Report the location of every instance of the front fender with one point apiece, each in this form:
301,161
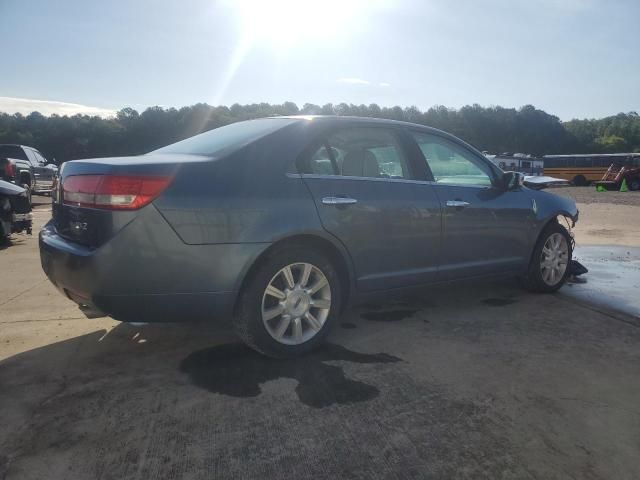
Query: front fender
549,206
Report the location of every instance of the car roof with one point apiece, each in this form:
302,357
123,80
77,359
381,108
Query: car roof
18,145
352,119
347,119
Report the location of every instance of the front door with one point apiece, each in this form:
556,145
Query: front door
45,172
367,197
43,177
485,228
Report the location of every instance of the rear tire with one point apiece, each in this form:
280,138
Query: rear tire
580,181
278,316
550,261
634,185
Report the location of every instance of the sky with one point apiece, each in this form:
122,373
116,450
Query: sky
571,58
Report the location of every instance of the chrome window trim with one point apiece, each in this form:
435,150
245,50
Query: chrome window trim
370,179
376,179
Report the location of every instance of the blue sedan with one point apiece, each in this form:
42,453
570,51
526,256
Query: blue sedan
277,224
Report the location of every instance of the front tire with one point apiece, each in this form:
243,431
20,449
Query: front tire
549,265
290,302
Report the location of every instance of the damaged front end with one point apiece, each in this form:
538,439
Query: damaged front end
15,210
575,267
539,182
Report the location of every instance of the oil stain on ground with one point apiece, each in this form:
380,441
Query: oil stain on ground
388,315
238,371
498,302
348,325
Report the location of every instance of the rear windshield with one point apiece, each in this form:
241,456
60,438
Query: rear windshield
12,151
229,137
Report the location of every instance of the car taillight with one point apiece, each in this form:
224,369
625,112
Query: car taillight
112,192
9,169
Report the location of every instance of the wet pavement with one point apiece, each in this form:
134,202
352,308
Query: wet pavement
613,280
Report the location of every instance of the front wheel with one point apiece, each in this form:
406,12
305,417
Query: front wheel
290,303
549,266
634,185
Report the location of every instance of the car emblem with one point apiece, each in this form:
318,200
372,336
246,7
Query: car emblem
78,226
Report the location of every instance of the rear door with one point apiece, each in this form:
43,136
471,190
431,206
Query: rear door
485,228
368,197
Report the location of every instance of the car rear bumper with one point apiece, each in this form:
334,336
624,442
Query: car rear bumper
146,274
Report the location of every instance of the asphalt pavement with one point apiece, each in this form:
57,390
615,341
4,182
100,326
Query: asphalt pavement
473,380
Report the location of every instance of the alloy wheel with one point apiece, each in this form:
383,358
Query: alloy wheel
296,303
554,259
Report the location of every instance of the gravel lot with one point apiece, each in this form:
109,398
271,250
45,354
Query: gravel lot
466,381
589,195
606,218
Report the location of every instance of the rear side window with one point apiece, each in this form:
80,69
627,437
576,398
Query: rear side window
229,137
358,152
321,162
12,151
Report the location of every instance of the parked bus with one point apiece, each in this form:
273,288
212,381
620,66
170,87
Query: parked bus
584,169
518,163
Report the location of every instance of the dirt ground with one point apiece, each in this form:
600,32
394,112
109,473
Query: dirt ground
471,381
589,195
606,218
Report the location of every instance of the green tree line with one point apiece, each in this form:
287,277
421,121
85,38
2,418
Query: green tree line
495,129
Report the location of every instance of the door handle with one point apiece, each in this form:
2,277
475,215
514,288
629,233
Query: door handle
457,203
339,201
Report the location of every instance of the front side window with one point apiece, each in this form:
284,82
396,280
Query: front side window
358,152
32,157
451,164
41,160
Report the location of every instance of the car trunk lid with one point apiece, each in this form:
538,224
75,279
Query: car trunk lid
94,199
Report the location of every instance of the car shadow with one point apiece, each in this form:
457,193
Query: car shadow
12,241
206,357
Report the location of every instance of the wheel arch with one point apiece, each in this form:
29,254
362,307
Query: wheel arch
25,177
335,251
551,220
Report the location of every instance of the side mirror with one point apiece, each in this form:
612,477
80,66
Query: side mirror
512,180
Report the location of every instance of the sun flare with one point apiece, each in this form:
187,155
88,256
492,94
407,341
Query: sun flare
291,23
